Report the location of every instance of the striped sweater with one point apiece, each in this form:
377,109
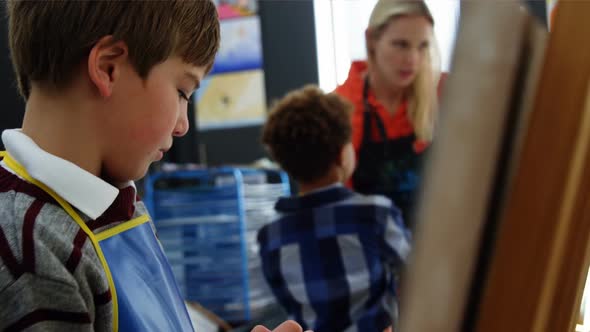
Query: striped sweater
50,276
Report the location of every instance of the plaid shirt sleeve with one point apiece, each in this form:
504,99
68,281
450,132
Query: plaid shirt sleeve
395,239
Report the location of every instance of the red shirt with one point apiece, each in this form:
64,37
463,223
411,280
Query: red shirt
396,125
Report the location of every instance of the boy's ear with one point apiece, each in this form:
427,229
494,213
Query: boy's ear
341,156
104,63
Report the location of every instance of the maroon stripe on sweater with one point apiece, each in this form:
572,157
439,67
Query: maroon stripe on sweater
41,315
76,254
102,299
122,209
11,182
8,258
28,236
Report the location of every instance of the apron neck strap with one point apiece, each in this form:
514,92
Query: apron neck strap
370,115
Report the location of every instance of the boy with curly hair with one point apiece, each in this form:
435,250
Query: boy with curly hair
332,256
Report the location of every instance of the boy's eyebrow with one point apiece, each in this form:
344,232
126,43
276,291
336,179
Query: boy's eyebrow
194,78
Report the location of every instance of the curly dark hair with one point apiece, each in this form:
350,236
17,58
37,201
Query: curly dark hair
306,131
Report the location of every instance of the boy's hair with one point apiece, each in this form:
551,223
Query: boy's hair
50,39
306,132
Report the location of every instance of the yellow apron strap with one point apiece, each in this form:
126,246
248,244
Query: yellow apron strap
122,227
21,171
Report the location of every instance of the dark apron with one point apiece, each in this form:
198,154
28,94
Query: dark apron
389,167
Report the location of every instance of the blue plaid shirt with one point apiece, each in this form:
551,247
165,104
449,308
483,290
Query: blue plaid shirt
332,259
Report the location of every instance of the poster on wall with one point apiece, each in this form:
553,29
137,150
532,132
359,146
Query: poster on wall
231,99
233,93
240,47
235,8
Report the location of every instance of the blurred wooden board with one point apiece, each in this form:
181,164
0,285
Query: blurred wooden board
504,221
461,174
541,253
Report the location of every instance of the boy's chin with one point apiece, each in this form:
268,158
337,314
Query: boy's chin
119,179
140,174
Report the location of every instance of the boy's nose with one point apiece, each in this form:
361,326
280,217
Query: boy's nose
182,124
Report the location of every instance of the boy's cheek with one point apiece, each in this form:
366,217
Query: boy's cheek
145,135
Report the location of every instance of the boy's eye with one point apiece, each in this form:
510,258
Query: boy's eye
183,95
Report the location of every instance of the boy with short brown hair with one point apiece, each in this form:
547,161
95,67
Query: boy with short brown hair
106,85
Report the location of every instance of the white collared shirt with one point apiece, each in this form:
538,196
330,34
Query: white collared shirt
83,190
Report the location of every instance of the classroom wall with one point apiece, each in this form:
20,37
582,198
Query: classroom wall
290,61
289,50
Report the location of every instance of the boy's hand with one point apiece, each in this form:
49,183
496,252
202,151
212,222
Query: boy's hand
288,326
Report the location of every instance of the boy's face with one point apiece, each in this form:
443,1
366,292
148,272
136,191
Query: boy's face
143,116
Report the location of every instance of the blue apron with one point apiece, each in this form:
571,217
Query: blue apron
143,289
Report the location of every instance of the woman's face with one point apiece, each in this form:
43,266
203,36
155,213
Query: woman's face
399,50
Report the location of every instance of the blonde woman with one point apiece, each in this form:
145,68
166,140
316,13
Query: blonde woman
394,94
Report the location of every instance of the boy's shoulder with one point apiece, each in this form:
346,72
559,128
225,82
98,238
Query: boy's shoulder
335,198
325,214
331,196
375,200
37,235
355,199
47,263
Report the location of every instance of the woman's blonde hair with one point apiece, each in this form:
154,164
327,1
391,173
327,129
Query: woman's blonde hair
422,95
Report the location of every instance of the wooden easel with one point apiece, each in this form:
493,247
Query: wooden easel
504,221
